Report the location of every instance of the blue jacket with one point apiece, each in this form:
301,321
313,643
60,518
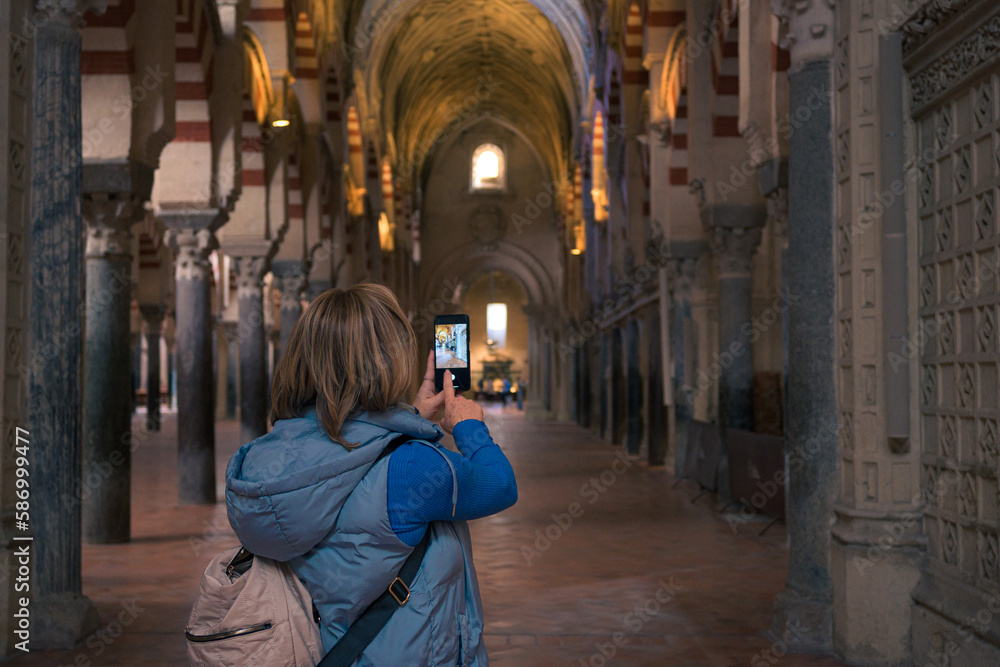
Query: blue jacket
294,495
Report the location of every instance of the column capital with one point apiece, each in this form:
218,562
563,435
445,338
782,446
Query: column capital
734,248
250,270
109,217
193,247
153,315
682,275
291,287
70,12
809,28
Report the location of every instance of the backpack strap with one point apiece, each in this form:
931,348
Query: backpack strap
371,621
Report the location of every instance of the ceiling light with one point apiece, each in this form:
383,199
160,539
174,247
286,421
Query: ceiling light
280,122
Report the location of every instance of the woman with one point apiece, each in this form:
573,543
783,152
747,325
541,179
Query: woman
307,492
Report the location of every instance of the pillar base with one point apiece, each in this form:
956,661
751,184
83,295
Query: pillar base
804,625
62,621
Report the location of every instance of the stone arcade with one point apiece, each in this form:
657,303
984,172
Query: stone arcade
772,216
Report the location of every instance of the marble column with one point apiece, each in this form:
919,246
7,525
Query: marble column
61,615
195,399
107,414
811,408
633,389
655,416
734,248
682,272
250,270
232,360
153,315
604,390
291,280
617,402
584,389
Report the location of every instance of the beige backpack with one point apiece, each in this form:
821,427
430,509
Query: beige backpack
257,616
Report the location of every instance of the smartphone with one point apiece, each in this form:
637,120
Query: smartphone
451,351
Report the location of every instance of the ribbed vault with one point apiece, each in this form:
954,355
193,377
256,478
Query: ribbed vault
433,64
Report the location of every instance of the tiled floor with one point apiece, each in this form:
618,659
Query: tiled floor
598,556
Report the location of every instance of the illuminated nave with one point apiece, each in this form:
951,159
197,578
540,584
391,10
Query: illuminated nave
730,273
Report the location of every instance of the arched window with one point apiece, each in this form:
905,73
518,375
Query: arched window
489,169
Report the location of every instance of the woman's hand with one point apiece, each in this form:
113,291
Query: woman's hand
457,408
427,401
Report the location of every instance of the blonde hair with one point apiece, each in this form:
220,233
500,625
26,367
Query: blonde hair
352,349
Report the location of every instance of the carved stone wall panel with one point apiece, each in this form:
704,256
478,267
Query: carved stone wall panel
957,180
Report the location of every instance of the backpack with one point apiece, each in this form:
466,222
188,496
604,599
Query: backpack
255,611
252,611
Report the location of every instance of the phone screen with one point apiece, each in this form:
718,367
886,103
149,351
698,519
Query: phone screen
451,345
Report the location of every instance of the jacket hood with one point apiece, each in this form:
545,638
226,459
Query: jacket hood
285,490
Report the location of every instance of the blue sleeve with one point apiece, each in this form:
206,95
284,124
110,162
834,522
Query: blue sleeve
422,482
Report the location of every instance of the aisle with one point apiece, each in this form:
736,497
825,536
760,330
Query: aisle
598,559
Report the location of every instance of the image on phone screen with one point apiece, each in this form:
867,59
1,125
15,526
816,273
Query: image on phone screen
451,345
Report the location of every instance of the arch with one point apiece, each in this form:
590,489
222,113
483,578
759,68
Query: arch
470,261
257,77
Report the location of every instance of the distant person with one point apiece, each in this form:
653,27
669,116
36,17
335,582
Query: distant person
522,386
308,492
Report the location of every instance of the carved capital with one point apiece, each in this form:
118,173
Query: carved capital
682,275
193,246
291,286
68,12
109,217
153,316
734,248
250,270
808,28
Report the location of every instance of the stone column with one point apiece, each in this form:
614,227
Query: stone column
232,359
250,270
107,413
633,388
292,282
62,616
811,408
153,315
655,411
195,400
682,271
734,248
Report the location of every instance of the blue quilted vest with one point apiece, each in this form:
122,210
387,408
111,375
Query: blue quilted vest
294,495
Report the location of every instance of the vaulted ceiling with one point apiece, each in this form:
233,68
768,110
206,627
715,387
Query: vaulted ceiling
429,66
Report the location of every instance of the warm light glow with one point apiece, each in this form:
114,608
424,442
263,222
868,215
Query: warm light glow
487,168
488,164
575,251
281,122
496,323
386,233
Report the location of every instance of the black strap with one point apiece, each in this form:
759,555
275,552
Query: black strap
371,621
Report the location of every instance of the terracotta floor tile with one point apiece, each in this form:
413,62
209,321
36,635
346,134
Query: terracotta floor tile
560,600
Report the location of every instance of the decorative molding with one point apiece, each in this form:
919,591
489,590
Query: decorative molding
923,21
682,276
488,226
956,64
